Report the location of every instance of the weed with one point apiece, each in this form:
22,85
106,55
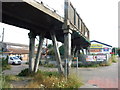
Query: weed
49,65
53,80
24,72
5,64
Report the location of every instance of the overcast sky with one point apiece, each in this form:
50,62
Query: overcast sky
100,16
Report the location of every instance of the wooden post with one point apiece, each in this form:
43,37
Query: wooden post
57,54
39,51
31,50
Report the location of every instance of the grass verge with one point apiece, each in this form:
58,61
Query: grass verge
5,64
50,80
5,81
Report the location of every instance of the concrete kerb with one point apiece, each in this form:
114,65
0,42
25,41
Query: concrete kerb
89,86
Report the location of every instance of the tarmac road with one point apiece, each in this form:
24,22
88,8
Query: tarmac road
102,77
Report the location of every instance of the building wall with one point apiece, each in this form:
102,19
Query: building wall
97,48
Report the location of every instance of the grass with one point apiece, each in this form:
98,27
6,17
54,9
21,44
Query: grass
111,60
89,65
5,64
50,65
114,59
43,79
5,80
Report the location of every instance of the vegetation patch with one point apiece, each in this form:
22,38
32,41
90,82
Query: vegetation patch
43,79
50,65
87,65
5,80
112,59
5,64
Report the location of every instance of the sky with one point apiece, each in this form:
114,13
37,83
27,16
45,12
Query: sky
100,16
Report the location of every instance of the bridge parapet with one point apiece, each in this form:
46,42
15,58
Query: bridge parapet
74,21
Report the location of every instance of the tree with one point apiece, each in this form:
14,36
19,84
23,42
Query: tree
119,52
50,46
50,50
61,49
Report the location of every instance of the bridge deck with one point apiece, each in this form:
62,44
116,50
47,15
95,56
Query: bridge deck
37,18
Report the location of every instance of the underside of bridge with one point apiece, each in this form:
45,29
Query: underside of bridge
25,15
45,23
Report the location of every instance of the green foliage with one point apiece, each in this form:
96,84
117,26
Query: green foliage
113,59
4,83
61,49
12,78
44,79
5,64
73,82
51,52
53,80
50,46
87,65
49,65
56,74
24,72
119,52
5,80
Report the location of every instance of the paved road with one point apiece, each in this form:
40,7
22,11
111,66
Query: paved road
102,77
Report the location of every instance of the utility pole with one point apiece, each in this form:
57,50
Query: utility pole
2,57
2,41
3,35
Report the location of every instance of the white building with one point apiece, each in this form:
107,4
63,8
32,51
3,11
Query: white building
100,48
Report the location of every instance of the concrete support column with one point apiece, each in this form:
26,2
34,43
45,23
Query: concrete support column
83,51
67,47
57,53
31,50
86,51
39,51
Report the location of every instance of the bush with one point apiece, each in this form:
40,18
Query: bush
5,64
24,72
113,58
119,52
87,65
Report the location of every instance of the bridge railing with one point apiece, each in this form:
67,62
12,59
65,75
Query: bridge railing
75,20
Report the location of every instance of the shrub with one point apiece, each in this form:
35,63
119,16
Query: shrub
113,58
24,72
5,64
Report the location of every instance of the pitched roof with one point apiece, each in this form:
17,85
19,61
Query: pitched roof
101,43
